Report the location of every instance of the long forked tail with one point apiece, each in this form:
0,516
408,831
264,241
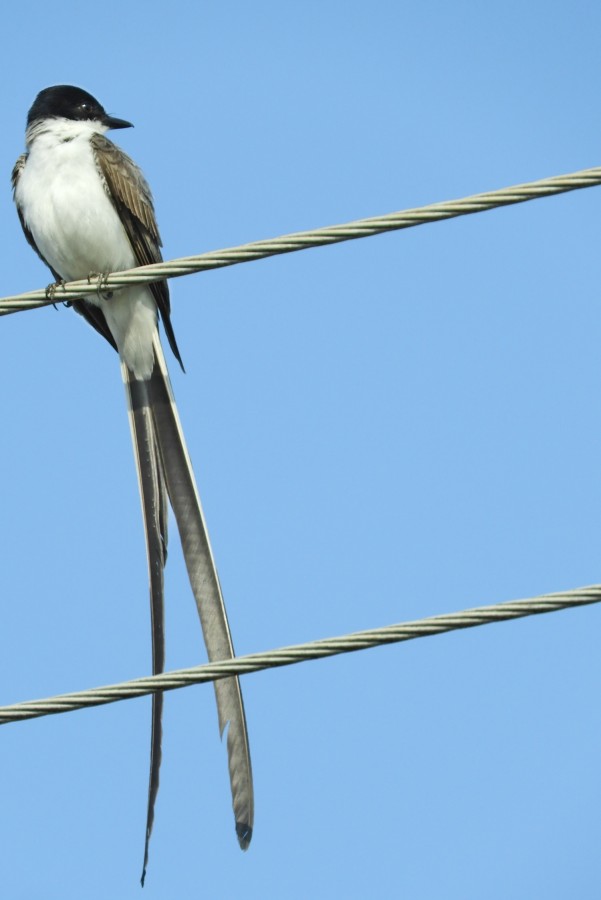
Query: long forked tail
164,464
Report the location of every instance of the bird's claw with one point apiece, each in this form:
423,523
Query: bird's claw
52,289
101,279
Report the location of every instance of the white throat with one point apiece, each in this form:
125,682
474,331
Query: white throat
59,130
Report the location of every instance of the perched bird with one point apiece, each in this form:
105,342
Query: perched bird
85,207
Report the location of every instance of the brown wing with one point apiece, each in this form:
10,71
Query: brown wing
129,191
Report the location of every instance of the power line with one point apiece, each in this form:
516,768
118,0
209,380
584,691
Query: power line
302,240
296,653
259,250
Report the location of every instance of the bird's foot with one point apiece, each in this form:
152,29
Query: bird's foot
53,288
101,279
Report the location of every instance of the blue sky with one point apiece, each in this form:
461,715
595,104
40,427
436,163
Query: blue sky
383,430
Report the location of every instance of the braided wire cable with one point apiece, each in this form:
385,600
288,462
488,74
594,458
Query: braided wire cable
303,240
256,662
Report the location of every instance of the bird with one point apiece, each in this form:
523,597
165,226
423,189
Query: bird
87,210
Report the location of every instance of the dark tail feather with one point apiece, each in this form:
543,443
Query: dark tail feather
154,511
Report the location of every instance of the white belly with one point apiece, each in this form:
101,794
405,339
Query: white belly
78,231
69,213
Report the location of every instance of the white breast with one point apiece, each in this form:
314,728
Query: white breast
65,205
67,209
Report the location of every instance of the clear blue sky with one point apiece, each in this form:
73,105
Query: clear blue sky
383,430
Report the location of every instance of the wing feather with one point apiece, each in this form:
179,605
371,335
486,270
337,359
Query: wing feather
129,191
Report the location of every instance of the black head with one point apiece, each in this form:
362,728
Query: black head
63,101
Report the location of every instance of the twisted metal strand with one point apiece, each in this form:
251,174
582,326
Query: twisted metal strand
302,240
256,662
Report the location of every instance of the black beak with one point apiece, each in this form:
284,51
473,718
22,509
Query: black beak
111,122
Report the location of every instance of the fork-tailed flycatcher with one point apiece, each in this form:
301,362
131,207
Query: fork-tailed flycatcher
85,207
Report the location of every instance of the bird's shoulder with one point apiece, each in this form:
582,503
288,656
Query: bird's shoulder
16,172
125,183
